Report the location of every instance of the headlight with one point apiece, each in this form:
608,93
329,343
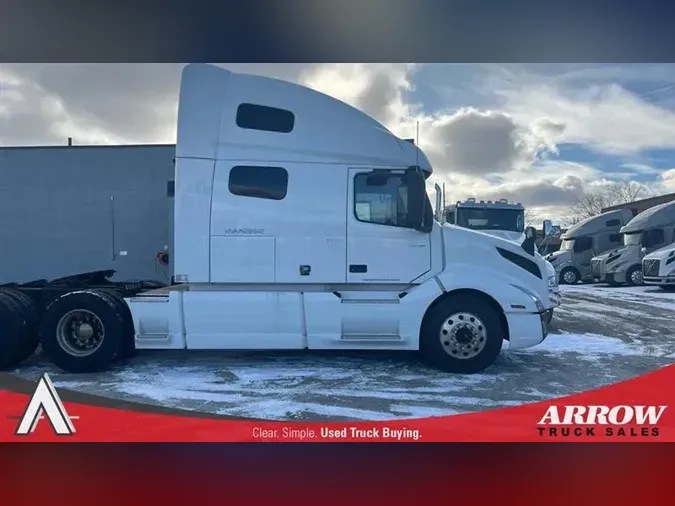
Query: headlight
537,302
553,281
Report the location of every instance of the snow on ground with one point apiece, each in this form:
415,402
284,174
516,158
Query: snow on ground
579,355
652,295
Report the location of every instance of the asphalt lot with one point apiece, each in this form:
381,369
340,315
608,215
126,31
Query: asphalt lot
600,335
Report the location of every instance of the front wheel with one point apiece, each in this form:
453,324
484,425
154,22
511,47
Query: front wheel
569,276
634,276
462,335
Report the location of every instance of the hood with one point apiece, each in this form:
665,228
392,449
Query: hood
550,270
620,250
509,235
616,252
557,255
471,246
661,253
486,237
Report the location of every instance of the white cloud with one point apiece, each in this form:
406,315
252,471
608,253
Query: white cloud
604,117
668,179
496,147
376,89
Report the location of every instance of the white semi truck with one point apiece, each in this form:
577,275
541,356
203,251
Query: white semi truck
299,223
658,267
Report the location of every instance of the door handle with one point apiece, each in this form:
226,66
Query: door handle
358,268
419,244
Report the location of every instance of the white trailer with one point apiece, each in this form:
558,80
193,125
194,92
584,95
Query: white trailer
301,223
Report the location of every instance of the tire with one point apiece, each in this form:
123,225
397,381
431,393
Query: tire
12,326
549,318
128,349
102,329
569,276
30,338
476,316
634,276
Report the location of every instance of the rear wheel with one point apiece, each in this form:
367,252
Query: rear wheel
634,276
463,334
30,339
83,331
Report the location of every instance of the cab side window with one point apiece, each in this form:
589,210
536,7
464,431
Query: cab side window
583,244
381,198
260,182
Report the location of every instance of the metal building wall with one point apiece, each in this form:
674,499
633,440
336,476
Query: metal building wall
638,206
65,210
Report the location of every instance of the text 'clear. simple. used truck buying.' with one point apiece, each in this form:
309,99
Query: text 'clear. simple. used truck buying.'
299,223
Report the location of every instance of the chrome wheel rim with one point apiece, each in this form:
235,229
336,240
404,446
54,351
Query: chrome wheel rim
463,336
569,277
636,277
80,332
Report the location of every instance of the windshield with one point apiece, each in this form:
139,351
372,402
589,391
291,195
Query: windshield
632,239
512,220
567,245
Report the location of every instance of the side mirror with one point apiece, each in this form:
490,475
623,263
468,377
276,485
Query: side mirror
528,243
548,228
438,212
419,208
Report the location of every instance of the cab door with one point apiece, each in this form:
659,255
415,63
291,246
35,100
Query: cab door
382,246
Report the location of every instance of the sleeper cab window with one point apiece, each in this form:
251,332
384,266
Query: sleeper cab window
260,182
265,118
381,199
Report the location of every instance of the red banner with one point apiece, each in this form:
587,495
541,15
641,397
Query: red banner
630,411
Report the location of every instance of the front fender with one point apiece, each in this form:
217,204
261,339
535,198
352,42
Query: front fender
560,266
500,287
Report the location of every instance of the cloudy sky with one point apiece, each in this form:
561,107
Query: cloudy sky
537,134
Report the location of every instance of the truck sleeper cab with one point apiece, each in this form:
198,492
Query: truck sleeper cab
649,231
581,242
302,223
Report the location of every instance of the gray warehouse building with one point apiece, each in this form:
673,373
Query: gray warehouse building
71,209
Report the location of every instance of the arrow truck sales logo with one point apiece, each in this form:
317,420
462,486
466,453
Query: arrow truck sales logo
609,421
46,401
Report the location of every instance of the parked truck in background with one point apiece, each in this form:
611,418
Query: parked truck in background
650,230
581,242
299,223
658,267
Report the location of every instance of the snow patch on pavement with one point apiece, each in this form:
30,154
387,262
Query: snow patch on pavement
586,344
